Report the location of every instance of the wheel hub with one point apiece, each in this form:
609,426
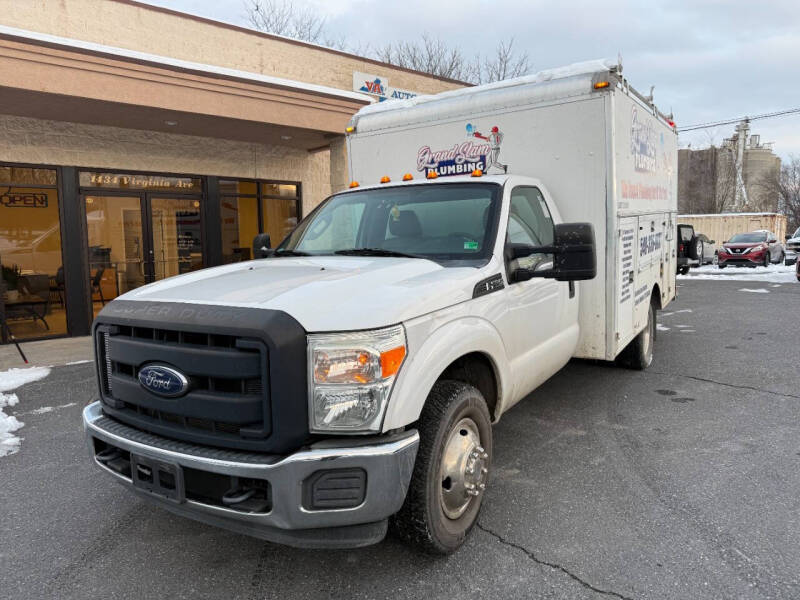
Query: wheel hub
464,468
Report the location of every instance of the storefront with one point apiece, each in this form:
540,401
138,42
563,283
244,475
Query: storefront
136,228
128,155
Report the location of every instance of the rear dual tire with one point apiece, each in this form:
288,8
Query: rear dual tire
638,355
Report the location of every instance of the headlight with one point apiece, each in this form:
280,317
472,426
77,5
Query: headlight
350,378
754,249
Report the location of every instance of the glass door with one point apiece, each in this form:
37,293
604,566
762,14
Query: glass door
117,246
177,236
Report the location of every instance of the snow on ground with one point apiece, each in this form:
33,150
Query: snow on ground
11,380
770,274
756,291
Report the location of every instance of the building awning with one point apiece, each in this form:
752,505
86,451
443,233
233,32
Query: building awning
50,77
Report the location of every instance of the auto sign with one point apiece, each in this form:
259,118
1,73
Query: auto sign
163,380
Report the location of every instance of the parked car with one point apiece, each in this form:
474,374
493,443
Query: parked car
792,247
688,255
756,248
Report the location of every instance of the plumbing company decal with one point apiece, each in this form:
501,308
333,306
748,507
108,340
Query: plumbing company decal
477,151
643,143
376,85
650,157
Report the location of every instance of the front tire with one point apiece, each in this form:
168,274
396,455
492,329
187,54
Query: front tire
638,355
767,260
451,470
683,270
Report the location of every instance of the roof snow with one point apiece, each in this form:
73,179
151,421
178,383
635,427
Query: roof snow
582,68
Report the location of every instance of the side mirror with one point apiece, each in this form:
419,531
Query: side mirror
575,256
573,251
788,236
261,246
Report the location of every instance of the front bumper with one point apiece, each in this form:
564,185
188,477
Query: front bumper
386,462
751,259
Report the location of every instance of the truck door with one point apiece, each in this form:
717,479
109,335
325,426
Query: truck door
535,308
627,252
649,248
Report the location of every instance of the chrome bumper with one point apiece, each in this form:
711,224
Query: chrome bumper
388,463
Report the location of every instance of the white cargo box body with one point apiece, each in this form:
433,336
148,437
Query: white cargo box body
603,156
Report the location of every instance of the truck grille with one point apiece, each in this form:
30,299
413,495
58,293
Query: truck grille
227,402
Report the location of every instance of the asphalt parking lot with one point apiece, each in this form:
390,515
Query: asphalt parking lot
679,482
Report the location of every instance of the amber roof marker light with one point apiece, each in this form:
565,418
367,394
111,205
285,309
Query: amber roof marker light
477,173
353,184
600,85
350,129
432,175
385,179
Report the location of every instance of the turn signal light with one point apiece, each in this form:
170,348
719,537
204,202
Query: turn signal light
408,177
353,184
385,179
432,175
600,85
391,361
477,173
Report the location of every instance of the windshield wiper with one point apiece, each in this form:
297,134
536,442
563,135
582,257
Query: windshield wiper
290,253
377,252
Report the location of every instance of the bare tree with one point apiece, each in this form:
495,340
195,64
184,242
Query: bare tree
283,17
429,55
504,64
726,182
785,187
434,56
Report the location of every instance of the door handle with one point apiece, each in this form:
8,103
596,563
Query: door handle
630,276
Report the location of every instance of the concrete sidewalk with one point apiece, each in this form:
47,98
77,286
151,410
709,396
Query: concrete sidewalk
47,353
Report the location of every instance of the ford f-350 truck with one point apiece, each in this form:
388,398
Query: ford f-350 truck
352,375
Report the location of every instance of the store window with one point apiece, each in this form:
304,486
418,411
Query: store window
140,228
32,287
249,208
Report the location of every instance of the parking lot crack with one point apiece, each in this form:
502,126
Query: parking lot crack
531,555
731,385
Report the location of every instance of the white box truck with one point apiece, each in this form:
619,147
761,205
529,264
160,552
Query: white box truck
350,377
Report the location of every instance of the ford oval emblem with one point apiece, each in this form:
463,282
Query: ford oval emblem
163,380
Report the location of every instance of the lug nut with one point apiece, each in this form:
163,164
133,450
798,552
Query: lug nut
473,492
482,486
484,470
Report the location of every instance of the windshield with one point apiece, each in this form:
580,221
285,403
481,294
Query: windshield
748,238
442,222
796,233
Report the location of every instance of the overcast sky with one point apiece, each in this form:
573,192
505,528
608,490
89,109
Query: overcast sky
709,59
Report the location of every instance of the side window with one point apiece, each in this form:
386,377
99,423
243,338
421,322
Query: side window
529,220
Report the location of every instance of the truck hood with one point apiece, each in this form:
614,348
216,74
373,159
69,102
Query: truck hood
326,293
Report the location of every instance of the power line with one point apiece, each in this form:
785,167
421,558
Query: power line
780,113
